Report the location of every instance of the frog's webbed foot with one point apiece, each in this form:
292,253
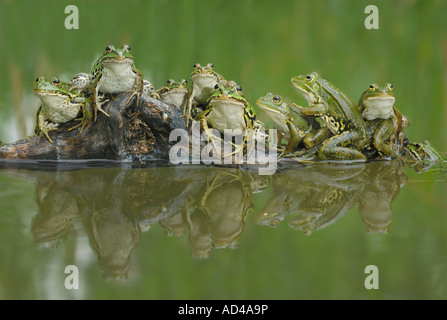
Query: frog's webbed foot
98,106
211,137
135,93
238,149
44,133
155,96
86,118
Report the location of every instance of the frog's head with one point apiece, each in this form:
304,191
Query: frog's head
309,86
229,91
173,85
113,55
51,87
424,151
272,103
52,92
275,107
204,76
377,101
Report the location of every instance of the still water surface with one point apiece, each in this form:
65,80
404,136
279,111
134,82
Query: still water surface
196,232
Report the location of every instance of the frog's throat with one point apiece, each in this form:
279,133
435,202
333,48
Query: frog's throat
383,103
52,97
311,98
276,116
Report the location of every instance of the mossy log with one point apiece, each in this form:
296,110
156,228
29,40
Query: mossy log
132,132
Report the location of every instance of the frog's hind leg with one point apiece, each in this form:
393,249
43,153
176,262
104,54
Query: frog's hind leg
336,147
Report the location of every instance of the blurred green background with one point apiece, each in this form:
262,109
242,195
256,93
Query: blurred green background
261,45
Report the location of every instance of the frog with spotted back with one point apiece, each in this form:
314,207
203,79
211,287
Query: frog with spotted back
384,122
228,109
115,72
203,84
59,105
174,93
340,115
290,123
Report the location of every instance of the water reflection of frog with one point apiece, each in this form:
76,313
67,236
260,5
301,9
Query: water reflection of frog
226,201
316,196
385,178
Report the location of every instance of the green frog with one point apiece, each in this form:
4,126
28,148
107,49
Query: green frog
204,80
59,105
114,72
290,124
174,93
228,109
338,112
382,122
421,156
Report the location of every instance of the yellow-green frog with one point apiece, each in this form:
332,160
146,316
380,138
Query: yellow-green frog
338,112
377,107
203,83
228,109
421,156
291,124
114,72
174,93
59,105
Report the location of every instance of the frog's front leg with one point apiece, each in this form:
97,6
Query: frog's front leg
341,147
139,84
316,109
382,138
205,128
315,138
41,126
86,115
295,137
95,98
188,106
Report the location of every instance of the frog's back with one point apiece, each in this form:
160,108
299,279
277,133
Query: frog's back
342,106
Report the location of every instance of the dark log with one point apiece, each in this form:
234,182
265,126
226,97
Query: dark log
134,133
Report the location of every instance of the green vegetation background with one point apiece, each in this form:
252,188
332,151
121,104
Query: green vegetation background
261,45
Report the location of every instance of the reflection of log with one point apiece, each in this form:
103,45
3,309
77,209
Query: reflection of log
136,132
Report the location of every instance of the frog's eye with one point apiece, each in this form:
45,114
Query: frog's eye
309,77
390,86
37,79
55,81
239,88
216,86
372,87
108,49
197,65
184,81
210,65
128,48
276,99
169,81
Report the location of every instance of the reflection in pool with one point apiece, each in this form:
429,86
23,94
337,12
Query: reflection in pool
208,206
